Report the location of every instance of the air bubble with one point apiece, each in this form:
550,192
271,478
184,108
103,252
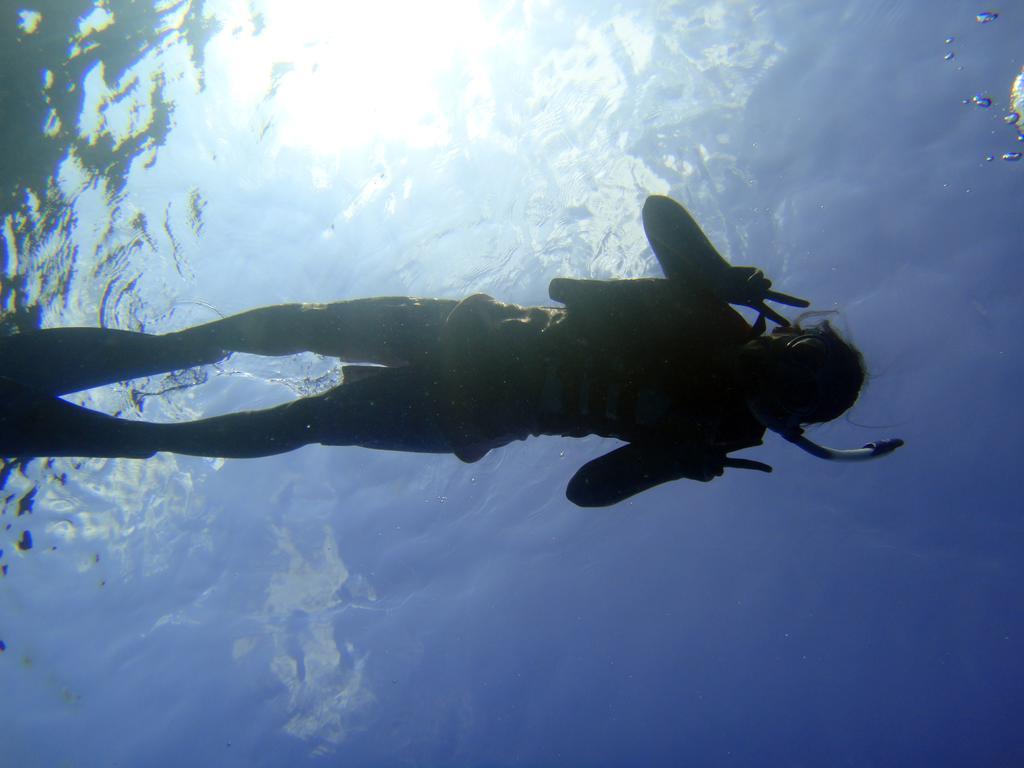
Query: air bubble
982,101
986,16
1011,119
948,56
1012,157
949,41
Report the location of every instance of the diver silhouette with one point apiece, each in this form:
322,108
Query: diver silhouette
663,364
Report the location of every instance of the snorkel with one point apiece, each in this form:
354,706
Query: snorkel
869,451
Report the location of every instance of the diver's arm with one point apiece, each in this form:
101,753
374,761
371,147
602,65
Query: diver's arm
686,255
635,467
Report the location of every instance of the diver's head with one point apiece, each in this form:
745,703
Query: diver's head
800,375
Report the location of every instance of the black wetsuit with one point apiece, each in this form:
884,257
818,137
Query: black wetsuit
646,361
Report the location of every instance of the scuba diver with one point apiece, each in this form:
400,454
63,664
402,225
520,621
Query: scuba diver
663,364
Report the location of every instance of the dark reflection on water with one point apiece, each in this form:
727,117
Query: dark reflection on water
43,68
49,49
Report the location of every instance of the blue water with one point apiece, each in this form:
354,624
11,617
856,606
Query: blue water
349,607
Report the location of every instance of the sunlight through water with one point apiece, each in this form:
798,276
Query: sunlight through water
335,86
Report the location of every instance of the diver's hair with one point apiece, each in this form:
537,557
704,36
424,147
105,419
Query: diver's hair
846,369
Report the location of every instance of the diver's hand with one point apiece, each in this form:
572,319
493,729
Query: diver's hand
749,287
707,463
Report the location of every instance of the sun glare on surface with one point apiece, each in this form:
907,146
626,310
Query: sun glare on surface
333,76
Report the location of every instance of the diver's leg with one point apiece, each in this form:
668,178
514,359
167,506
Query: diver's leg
34,423
396,409
61,360
384,330
389,331
244,435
